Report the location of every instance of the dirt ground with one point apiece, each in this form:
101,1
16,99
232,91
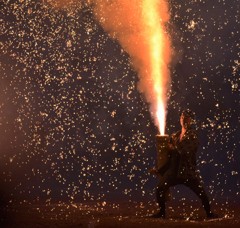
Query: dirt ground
113,215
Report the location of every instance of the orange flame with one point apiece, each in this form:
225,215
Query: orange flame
159,47
138,25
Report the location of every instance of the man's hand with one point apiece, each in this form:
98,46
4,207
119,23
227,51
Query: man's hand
171,146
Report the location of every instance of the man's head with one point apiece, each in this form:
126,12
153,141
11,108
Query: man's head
187,118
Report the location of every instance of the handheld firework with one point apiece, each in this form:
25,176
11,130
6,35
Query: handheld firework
163,155
162,150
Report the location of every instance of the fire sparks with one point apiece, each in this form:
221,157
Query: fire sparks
159,54
73,126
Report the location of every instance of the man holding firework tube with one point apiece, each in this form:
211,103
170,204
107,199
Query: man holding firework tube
181,166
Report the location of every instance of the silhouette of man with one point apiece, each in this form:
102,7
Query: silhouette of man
181,168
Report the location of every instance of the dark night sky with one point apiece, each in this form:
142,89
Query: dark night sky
73,124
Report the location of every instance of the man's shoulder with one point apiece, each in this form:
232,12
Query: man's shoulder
175,134
192,132
192,136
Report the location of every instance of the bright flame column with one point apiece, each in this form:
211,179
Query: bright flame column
159,49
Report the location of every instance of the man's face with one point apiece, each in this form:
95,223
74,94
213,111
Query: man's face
184,120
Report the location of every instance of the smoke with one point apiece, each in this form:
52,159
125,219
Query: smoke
124,20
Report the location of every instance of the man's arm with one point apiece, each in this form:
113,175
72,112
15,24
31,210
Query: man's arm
188,144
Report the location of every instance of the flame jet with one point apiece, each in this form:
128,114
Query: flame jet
139,26
159,47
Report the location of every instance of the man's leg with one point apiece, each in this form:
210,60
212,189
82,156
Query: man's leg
162,194
168,179
196,186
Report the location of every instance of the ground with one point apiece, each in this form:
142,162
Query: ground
116,215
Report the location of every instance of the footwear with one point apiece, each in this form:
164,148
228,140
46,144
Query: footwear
158,215
212,216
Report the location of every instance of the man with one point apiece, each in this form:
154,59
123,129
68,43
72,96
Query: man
181,169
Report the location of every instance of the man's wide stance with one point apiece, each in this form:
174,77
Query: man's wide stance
181,168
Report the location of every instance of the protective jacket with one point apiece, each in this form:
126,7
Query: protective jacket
187,149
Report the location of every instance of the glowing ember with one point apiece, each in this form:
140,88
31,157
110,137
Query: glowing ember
74,129
159,47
